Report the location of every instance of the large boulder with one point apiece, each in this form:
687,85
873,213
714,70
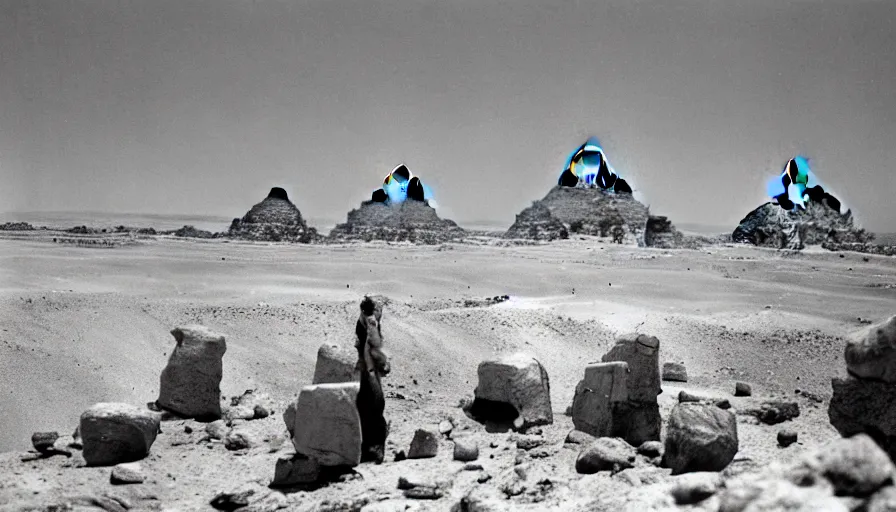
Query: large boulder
275,219
520,381
604,385
190,385
855,466
699,437
113,433
865,406
871,352
327,424
336,363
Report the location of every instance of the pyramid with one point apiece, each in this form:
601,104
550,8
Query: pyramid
275,219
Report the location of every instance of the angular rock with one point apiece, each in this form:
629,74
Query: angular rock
229,501
465,449
114,432
774,412
289,417
605,454
519,381
604,385
44,442
336,363
871,352
579,437
294,469
675,372
865,406
699,437
424,445
445,427
742,389
786,438
237,440
641,352
127,473
327,424
190,385
685,397
240,412
692,488
216,430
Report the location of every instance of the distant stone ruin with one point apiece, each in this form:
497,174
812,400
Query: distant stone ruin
816,224
276,219
409,221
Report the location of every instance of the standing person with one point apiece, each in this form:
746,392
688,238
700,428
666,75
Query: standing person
373,365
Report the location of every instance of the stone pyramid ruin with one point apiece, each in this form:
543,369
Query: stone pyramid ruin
275,219
400,211
591,199
799,215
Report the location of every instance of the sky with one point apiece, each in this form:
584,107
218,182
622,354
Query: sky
201,106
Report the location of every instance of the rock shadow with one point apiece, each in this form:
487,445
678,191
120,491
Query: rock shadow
497,417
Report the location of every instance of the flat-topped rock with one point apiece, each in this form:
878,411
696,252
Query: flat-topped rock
113,433
336,363
327,424
604,385
641,352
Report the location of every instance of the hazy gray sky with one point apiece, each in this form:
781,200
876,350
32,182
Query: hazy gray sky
189,106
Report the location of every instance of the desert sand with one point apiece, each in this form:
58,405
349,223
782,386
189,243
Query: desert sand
85,325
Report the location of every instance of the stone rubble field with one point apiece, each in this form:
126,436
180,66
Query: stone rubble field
177,375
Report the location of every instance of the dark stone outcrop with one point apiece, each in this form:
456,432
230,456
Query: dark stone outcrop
276,219
772,226
410,221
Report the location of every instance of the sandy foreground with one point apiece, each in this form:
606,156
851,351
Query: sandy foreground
86,325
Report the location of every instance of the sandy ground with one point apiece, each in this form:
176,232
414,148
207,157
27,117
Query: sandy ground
85,325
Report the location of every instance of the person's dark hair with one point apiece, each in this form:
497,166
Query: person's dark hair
367,306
